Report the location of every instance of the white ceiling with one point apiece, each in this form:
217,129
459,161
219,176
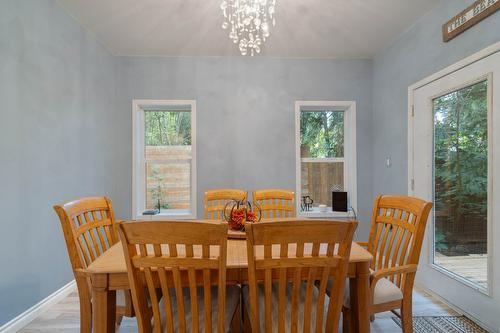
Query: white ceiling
304,28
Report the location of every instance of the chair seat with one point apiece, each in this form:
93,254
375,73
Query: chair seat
385,292
275,309
232,301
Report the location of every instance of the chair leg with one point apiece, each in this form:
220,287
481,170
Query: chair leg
119,318
236,321
346,320
85,306
407,315
129,306
85,316
247,327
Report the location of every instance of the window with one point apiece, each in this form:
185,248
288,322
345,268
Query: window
461,182
326,154
164,159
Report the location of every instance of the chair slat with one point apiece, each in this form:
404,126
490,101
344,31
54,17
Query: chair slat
153,297
207,298
296,266
94,244
294,317
194,299
268,300
86,240
308,300
167,306
275,203
215,201
182,267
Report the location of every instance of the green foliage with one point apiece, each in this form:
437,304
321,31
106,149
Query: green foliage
461,154
167,128
440,241
322,133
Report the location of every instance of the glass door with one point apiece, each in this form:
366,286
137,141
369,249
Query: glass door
454,132
460,182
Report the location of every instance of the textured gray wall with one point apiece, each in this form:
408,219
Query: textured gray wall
413,56
57,87
245,116
66,131
416,54
57,136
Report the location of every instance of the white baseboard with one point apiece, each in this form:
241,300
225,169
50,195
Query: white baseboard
454,308
29,315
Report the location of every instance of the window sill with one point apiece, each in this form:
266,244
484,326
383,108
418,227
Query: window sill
315,213
174,215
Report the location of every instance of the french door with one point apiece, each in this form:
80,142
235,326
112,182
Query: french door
454,141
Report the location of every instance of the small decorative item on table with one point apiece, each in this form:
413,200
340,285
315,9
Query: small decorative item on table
237,213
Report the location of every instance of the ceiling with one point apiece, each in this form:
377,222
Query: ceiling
304,28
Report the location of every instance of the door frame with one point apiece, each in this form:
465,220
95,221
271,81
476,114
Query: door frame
495,48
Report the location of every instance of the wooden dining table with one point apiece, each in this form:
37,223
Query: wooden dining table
108,273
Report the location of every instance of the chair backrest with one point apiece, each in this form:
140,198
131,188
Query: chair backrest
170,255
397,232
215,200
89,229
275,203
299,252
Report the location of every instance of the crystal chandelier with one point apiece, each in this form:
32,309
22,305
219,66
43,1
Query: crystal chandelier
248,22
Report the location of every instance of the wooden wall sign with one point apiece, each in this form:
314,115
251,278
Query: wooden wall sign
472,15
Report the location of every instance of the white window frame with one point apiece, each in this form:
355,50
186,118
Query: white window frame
139,106
350,164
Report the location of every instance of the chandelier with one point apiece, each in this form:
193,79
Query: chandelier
248,22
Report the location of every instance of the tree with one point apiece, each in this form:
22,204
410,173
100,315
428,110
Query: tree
323,133
167,128
461,155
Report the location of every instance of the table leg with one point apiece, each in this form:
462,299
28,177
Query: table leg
360,298
103,305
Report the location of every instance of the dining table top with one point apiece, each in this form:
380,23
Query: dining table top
113,260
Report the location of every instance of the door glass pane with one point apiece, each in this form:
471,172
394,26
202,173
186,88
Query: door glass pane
461,182
318,179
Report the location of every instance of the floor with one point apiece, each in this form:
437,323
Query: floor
473,267
64,316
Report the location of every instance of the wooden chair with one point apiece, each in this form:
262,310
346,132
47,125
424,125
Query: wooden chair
215,200
275,203
290,259
89,229
397,232
164,256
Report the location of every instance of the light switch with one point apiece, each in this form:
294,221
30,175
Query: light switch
388,161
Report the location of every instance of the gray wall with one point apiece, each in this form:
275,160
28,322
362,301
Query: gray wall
65,129
413,56
56,142
245,116
60,89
